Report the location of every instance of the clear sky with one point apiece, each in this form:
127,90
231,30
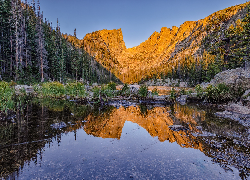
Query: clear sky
138,19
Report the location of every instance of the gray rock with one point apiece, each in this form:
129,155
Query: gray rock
159,98
183,84
134,89
238,76
28,89
246,94
182,99
204,85
238,108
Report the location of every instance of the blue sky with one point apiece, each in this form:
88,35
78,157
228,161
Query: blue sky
138,19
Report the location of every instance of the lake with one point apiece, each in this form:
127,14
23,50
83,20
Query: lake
54,139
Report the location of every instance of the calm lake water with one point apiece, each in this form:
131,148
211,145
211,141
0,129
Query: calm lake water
64,140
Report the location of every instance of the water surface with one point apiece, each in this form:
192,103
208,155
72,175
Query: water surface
54,139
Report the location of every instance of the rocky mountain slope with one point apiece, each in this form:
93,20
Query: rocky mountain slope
164,50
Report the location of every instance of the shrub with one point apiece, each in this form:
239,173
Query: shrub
53,89
125,90
143,91
199,90
219,93
183,91
96,90
112,86
75,89
107,91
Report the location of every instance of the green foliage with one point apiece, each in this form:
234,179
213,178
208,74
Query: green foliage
103,91
75,89
199,90
183,92
143,91
155,92
223,93
107,91
96,90
53,89
172,94
6,96
112,86
125,90
190,91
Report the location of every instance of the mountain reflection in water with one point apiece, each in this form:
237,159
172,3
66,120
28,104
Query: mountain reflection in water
157,121
28,139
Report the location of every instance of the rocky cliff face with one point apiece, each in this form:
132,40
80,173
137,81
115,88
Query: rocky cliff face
163,50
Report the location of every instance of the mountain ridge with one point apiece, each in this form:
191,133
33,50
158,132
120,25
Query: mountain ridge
162,50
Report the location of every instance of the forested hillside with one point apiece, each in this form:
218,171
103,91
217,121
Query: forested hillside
193,52
32,50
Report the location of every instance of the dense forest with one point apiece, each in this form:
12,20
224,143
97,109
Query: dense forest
31,50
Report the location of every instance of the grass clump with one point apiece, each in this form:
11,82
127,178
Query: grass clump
112,86
53,89
143,91
75,89
7,93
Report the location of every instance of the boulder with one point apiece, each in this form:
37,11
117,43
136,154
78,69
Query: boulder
238,108
28,89
182,99
246,94
238,76
134,89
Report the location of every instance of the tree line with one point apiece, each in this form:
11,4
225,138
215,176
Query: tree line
31,50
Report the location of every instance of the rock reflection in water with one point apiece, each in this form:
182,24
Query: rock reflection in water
38,127
156,121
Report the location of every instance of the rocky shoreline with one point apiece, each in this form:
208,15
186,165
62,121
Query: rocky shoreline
239,109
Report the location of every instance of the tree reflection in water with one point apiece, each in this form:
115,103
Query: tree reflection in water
22,142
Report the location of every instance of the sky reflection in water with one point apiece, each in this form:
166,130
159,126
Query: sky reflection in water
137,142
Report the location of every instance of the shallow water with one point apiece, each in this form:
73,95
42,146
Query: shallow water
63,140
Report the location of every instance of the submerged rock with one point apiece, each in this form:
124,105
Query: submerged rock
177,128
58,125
